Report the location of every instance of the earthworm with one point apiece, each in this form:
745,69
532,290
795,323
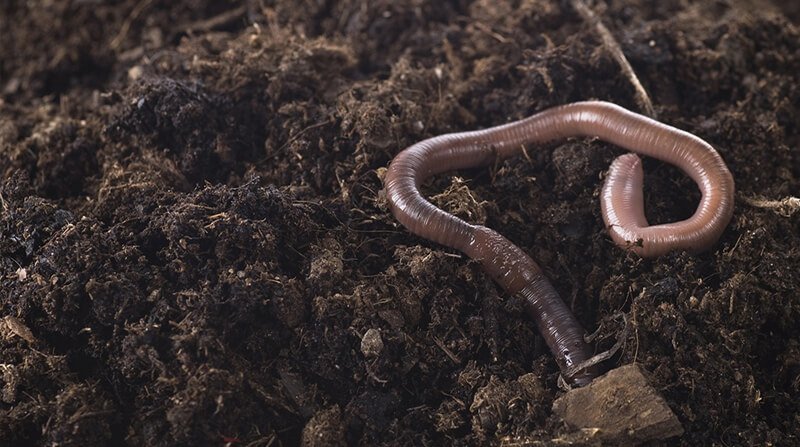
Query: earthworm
621,203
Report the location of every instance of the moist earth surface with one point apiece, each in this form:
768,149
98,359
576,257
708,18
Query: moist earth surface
195,248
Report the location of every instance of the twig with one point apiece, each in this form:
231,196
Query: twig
488,30
785,207
297,136
217,21
447,351
642,98
126,25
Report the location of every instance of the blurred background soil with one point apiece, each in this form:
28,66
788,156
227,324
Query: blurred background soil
195,249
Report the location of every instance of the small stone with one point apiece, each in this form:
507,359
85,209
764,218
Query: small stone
135,72
371,343
619,408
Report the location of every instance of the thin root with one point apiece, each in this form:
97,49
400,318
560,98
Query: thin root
603,356
785,207
642,98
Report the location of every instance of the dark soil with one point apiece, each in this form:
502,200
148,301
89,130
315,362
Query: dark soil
195,249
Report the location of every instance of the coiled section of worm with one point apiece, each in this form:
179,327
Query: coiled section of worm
621,203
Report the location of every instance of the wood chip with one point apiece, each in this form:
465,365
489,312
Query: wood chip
619,408
18,328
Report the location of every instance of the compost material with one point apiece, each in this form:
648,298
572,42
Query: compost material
195,248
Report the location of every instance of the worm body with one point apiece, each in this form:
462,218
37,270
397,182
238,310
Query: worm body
621,203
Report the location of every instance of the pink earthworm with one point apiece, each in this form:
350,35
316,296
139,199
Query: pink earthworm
621,203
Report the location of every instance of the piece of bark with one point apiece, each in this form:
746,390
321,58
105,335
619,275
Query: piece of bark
18,328
619,407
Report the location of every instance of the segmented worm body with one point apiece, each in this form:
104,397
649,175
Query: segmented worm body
621,202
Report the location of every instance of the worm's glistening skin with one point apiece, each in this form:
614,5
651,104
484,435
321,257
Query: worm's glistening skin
621,202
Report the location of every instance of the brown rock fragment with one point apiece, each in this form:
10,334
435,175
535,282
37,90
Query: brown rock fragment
619,407
371,343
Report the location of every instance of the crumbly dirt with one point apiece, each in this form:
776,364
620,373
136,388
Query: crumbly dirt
195,249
